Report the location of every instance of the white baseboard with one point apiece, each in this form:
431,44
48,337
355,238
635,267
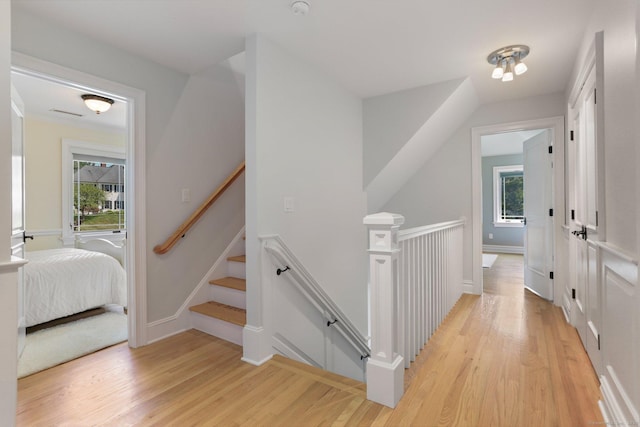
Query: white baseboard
500,249
164,328
181,321
287,349
468,287
258,363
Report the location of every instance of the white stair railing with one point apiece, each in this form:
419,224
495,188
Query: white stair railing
309,287
415,277
430,277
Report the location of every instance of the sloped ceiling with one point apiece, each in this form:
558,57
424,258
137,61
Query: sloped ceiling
371,47
435,130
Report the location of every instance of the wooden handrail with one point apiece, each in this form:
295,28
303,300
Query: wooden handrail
181,231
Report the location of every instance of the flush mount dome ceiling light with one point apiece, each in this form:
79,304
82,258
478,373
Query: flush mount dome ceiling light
507,61
300,7
97,103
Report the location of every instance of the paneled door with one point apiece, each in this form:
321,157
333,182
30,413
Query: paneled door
538,223
17,203
584,218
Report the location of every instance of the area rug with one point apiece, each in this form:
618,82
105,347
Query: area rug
488,260
50,347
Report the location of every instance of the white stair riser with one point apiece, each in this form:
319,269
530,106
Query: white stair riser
237,269
232,297
218,328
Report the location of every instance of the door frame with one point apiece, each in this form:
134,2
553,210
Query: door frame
135,149
556,124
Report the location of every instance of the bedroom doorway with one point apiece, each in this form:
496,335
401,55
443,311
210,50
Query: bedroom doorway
57,113
516,196
545,231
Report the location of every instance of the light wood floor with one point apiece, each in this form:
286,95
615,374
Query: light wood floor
507,358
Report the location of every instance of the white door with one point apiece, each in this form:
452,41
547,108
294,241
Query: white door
17,203
584,219
538,222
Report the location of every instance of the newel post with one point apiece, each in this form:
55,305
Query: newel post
385,367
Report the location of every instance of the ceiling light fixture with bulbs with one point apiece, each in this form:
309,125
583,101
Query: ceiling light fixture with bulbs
507,61
300,7
97,103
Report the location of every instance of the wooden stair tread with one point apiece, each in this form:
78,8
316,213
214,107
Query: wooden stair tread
230,282
220,311
239,258
320,375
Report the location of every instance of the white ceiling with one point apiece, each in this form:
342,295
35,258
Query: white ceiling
371,47
40,97
505,143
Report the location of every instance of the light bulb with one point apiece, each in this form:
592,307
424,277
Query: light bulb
520,67
498,71
508,73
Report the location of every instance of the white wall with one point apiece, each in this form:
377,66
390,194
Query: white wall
441,190
202,144
391,120
43,174
306,133
194,139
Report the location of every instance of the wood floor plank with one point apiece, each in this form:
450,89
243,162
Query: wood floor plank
506,358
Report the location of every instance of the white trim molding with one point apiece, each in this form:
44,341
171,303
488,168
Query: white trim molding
502,249
468,287
620,340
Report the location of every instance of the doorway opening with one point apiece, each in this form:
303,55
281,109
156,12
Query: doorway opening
506,207
66,143
517,223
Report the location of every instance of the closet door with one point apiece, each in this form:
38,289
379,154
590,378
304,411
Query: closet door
585,222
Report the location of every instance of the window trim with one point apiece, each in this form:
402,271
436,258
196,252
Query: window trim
69,148
497,192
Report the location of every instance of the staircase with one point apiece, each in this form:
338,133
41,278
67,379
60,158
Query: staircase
224,316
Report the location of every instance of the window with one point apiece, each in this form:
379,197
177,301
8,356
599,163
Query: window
91,173
508,196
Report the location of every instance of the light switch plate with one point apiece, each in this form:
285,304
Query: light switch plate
288,204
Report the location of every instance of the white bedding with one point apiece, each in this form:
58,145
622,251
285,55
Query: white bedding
61,282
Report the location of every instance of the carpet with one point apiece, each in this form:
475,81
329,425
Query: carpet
488,260
50,347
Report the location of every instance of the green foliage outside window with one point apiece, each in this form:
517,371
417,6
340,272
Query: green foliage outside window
513,197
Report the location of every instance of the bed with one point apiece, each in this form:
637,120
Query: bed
65,281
